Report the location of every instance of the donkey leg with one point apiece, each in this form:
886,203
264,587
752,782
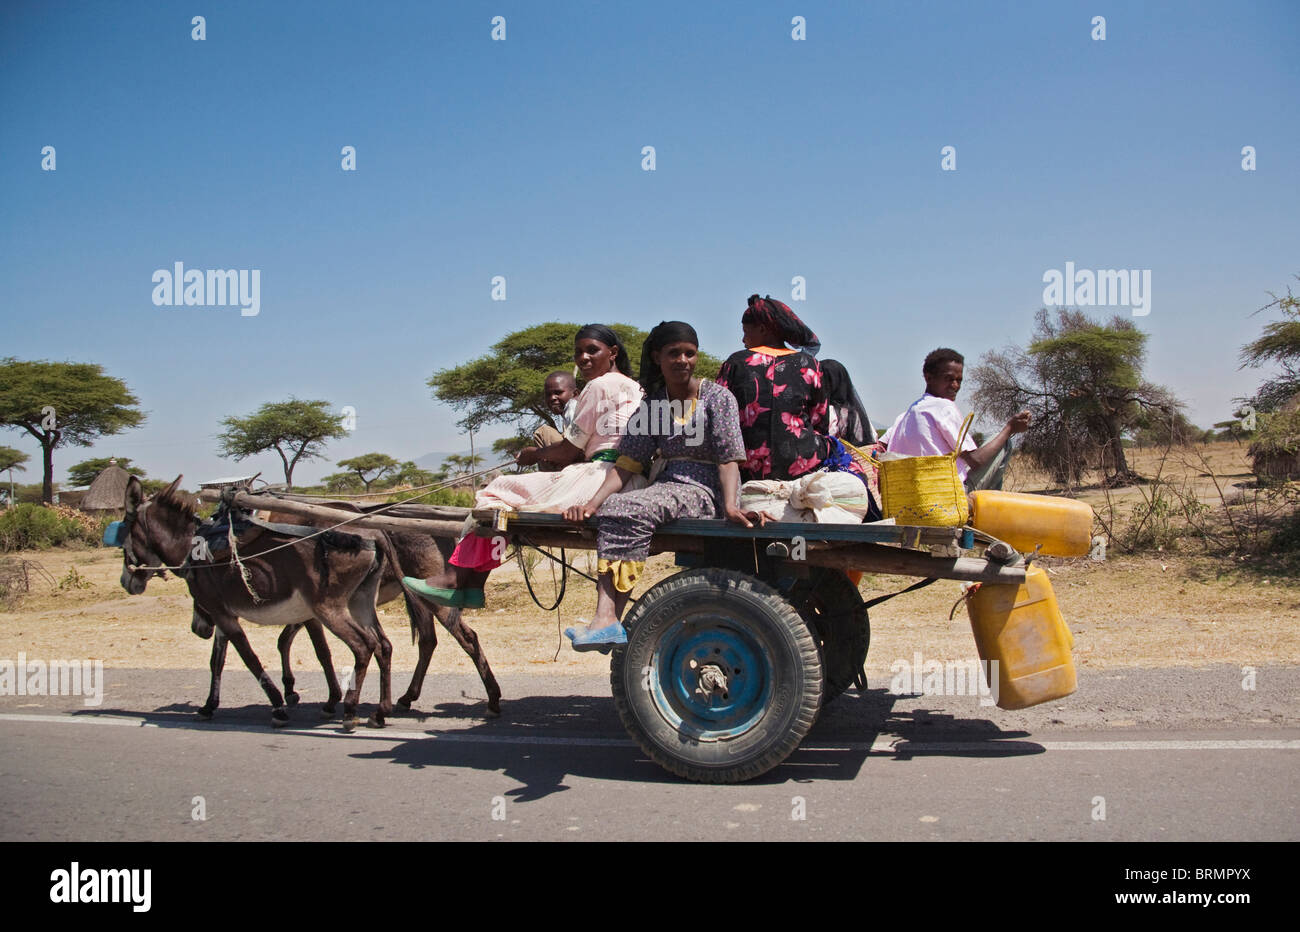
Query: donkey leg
216,664
362,609
361,643
467,639
421,614
384,657
317,635
286,668
230,625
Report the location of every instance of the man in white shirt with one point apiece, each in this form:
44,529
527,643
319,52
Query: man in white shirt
931,426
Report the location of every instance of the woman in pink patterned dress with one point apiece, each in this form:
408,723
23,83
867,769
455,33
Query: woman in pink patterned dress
586,453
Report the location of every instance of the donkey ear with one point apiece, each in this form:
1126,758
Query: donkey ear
170,490
134,495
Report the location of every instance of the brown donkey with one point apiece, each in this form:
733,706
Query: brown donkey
204,628
332,579
416,555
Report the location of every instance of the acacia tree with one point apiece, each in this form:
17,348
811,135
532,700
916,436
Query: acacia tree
295,429
1280,344
510,446
462,465
11,459
1275,406
1083,382
378,463
410,474
84,473
505,386
62,403
342,482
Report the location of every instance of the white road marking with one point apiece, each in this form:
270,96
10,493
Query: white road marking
884,744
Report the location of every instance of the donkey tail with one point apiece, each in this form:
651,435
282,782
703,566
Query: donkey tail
384,549
412,608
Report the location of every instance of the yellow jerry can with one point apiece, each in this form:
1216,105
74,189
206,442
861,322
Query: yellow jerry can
1020,628
1062,525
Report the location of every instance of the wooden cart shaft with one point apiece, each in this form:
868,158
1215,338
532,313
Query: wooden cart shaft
872,548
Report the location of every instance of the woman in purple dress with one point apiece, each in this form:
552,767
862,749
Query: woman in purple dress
694,425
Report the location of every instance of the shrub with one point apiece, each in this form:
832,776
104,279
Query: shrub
37,527
74,580
460,498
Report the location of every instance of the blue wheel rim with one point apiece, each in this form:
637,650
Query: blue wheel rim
701,642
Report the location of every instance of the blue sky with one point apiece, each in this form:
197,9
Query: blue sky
522,158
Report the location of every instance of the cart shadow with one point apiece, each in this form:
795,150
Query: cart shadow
543,741
858,715
540,749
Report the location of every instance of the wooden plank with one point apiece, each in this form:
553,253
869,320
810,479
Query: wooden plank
919,537
394,510
430,526
869,558
865,556
876,558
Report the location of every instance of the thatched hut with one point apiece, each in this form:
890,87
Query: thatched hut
1275,451
108,491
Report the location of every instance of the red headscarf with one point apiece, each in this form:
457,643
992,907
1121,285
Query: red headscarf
785,321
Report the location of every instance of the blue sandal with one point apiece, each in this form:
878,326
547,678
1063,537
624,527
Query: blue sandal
602,639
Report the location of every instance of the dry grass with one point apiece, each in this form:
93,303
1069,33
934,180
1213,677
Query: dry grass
1227,459
1129,612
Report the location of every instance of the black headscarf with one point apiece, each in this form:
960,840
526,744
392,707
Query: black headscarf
603,334
785,321
855,426
668,331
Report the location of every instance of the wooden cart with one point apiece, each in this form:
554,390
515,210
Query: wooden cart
729,661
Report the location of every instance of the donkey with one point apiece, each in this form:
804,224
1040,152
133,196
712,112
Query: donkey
332,579
204,628
411,554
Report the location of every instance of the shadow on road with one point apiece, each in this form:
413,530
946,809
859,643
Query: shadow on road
541,740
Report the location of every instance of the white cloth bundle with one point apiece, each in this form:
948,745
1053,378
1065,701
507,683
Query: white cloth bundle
822,497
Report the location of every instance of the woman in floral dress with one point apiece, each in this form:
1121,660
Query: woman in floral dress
780,394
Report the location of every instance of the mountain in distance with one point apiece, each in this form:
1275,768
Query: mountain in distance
433,461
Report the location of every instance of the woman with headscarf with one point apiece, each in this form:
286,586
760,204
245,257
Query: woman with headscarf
586,453
779,392
846,417
694,425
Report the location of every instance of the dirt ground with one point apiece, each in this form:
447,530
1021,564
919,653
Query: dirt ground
1158,610
1131,612
1210,471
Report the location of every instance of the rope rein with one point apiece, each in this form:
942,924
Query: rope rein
244,574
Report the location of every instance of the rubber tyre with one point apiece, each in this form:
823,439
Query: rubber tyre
763,645
832,607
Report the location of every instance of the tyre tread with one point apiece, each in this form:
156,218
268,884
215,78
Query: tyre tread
809,702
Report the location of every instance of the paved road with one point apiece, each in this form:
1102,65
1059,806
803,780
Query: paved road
1163,754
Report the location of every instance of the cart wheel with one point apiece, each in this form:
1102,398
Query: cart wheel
833,608
721,678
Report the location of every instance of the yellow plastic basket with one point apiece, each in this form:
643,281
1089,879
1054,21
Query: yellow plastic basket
925,490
